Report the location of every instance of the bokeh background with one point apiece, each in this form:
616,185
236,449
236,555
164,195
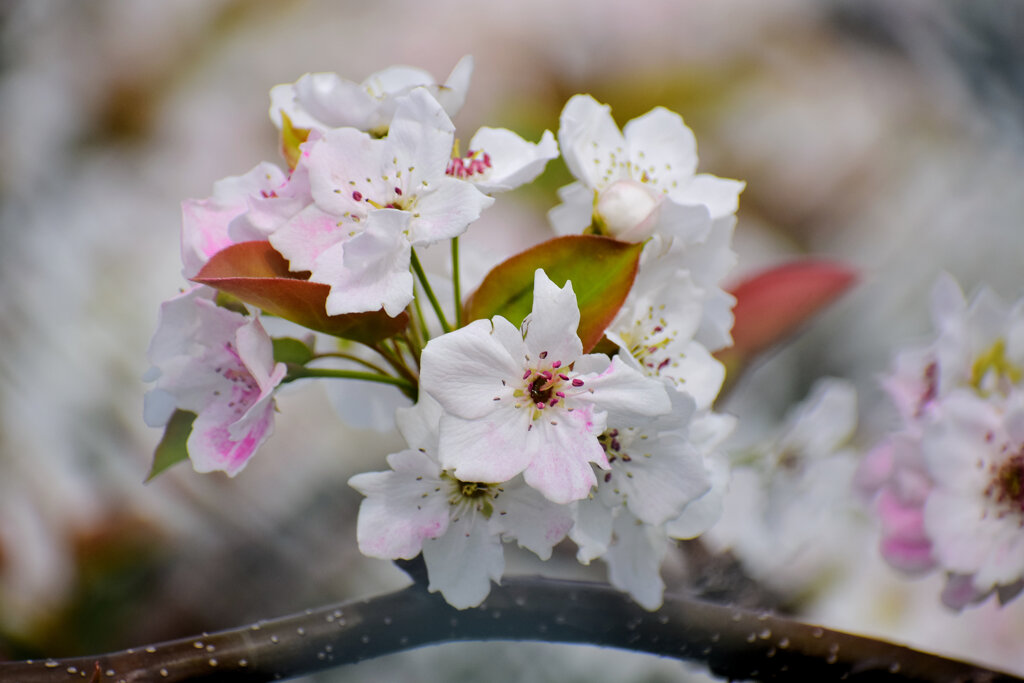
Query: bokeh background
888,135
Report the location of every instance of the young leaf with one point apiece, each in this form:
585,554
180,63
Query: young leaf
171,450
601,270
258,275
774,304
288,350
291,138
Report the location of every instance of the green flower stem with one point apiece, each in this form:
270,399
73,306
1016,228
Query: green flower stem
301,372
418,269
734,643
456,282
355,359
395,360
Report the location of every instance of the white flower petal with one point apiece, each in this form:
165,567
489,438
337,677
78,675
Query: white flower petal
462,563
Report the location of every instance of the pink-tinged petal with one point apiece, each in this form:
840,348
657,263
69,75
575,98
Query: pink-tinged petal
205,222
445,210
904,544
371,270
721,196
462,563
552,324
211,446
396,517
591,144
306,236
626,394
576,211
561,456
535,522
256,351
467,369
488,449
662,149
634,560
592,531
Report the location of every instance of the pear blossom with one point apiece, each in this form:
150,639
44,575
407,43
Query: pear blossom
209,225
499,160
458,525
353,177
663,483
958,402
218,364
790,493
320,101
655,331
528,400
625,180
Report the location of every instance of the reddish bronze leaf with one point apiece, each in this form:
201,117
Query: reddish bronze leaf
256,274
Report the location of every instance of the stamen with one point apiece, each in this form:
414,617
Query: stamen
557,364
577,382
543,354
526,375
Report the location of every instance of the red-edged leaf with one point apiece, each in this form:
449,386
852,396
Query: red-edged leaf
601,270
775,303
291,138
258,275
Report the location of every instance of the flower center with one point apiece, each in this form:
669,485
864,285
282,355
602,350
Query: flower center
993,371
1006,488
471,494
544,385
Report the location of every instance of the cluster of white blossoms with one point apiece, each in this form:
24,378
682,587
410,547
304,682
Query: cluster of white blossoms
950,481
571,399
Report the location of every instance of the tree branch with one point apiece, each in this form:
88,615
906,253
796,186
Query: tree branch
735,643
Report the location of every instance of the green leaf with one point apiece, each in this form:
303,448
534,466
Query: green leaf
258,275
289,350
601,270
171,450
291,138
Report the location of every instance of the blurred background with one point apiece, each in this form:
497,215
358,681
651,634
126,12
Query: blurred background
887,135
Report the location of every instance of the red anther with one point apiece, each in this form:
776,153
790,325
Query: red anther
560,394
577,382
557,364
357,195
546,375
543,354
663,363
552,403
526,375
398,191
563,377
540,405
659,328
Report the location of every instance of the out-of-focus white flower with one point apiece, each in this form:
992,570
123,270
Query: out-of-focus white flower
220,365
790,493
458,525
325,100
528,400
